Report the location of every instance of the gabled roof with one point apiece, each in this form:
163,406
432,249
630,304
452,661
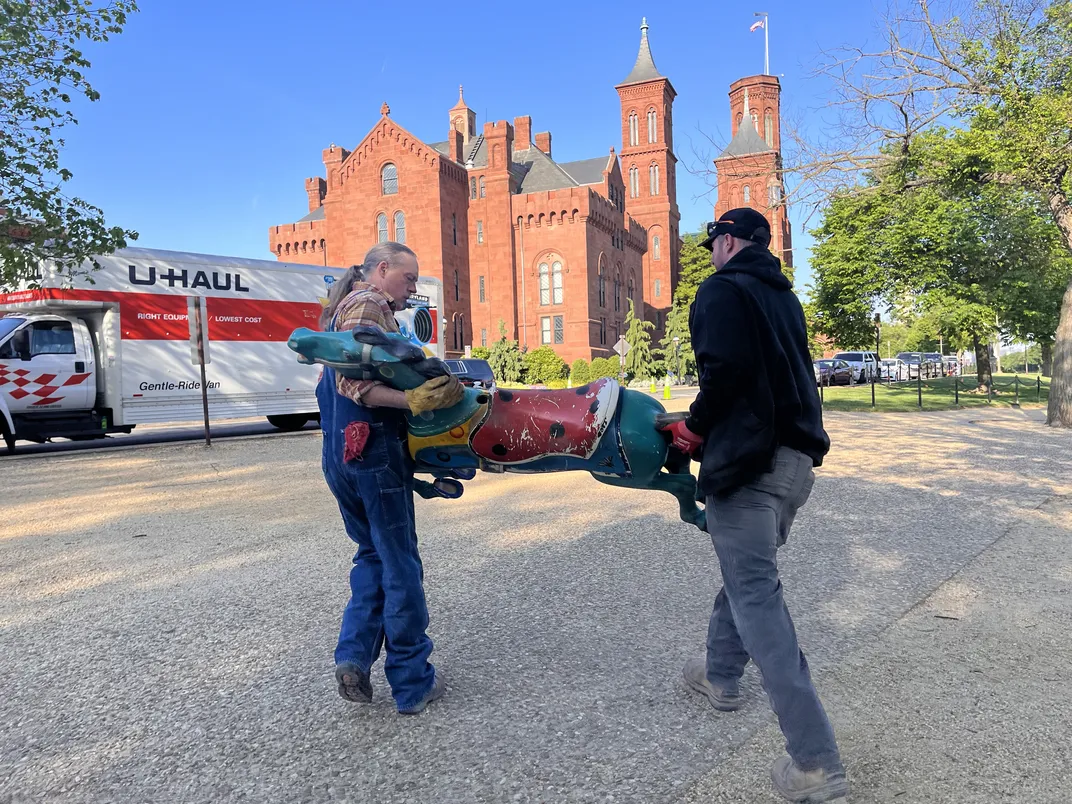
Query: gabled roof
644,69
316,215
542,173
586,171
746,141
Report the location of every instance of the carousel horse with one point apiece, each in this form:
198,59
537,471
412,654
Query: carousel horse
609,431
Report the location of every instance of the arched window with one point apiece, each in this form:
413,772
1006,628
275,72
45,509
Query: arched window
651,126
321,244
634,129
747,194
400,227
653,179
288,248
472,188
755,119
630,288
656,250
381,228
556,282
545,283
617,292
389,179
481,186
634,182
602,283
457,288
279,249
768,128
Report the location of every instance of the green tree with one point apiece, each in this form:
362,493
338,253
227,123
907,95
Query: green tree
681,361
41,67
639,361
543,365
695,268
505,357
481,353
931,238
580,372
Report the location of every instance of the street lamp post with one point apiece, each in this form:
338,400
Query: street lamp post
677,359
878,354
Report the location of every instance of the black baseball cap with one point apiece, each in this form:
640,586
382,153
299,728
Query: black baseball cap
744,223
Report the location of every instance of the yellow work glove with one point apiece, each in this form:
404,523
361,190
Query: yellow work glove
437,393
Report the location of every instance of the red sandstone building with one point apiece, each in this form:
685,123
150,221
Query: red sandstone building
750,168
554,250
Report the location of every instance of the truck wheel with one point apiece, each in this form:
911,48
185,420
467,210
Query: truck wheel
293,421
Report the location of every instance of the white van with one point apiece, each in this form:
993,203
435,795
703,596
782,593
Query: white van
103,354
864,364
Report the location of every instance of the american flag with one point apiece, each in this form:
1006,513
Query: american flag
757,24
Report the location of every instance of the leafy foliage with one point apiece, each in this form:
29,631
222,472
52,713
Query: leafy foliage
543,365
41,67
505,358
580,372
639,361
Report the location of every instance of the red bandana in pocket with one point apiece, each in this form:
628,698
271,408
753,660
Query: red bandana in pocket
357,434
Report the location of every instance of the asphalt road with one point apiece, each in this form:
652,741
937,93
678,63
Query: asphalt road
153,434
168,616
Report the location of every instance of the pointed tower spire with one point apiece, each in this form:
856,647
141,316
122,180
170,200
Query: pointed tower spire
644,69
462,118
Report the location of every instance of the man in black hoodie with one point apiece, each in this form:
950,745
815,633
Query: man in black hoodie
757,426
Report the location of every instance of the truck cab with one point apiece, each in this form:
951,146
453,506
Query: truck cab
48,380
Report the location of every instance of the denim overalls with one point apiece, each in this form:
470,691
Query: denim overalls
375,496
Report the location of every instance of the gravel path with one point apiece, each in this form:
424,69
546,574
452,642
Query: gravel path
168,616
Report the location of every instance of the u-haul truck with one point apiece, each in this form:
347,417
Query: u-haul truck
101,354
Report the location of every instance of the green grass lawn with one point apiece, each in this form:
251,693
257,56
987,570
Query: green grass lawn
938,394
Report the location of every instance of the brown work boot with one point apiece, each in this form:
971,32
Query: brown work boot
695,674
801,785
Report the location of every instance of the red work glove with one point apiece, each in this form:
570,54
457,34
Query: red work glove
683,439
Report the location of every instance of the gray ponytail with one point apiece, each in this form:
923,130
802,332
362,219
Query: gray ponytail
381,252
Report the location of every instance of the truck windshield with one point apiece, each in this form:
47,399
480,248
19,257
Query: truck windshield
9,325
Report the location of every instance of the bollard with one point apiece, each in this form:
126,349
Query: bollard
919,386
1016,383
956,391
666,390
989,390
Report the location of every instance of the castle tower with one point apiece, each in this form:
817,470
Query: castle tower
650,170
462,118
750,168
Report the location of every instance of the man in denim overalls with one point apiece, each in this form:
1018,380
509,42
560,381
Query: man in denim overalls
369,470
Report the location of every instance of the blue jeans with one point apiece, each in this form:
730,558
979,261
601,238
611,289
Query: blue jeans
375,495
750,618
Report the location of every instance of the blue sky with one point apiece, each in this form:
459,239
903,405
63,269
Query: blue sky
212,114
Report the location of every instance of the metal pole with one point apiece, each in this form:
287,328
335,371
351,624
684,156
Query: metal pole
822,400
1038,389
201,359
1016,384
766,44
919,384
956,391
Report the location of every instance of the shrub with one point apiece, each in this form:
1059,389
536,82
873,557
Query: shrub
580,372
543,365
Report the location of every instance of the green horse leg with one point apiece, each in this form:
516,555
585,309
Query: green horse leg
647,451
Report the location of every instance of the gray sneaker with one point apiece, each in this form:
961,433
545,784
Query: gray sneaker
354,683
801,785
695,674
435,692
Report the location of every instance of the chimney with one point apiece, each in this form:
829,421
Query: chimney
334,156
522,133
543,142
455,143
499,137
316,189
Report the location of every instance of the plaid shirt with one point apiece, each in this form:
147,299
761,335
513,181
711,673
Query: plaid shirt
364,306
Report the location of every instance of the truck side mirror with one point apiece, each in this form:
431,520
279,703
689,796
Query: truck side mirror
21,343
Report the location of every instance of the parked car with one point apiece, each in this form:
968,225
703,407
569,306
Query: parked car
833,372
952,365
864,364
919,364
893,370
472,373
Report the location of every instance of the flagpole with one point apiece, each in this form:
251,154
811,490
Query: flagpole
766,45
766,39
